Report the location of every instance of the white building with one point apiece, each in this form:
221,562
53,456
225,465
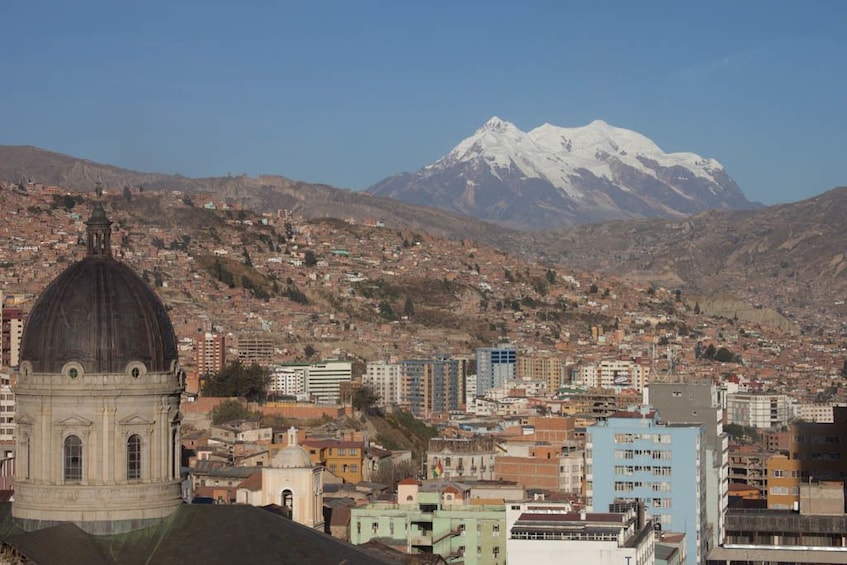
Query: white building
542,533
292,481
761,411
288,380
386,380
818,413
323,380
614,374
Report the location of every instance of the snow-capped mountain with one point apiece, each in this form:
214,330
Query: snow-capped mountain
553,176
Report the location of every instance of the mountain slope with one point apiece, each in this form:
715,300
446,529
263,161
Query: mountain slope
266,193
790,257
554,176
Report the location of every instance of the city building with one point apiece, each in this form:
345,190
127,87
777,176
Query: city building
815,451
614,374
437,518
292,481
761,411
433,386
107,452
544,533
386,381
461,458
209,353
634,456
7,416
98,473
545,368
323,380
748,465
343,458
496,367
700,402
11,331
255,348
288,380
816,532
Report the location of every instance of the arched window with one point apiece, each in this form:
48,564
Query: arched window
133,458
287,498
288,503
73,458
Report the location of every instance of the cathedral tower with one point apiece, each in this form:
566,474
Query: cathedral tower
98,422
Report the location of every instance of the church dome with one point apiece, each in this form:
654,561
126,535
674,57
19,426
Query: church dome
292,456
100,314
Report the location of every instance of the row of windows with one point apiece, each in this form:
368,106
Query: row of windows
785,490
632,438
818,439
656,454
344,469
632,469
73,458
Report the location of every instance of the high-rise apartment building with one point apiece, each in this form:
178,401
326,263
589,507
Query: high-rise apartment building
699,402
545,368
11,330
433,386
633,456
496,367
386,381
209,353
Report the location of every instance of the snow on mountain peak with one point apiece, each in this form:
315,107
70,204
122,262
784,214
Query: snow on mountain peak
557,154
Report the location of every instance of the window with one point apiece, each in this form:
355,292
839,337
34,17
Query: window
375,527
495,530
133,458
354,468
73,458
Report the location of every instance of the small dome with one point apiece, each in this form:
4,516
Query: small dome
98,313
292,456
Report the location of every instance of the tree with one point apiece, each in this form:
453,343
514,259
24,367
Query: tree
229,410
364,399
723,355
386,311
309,350
127,193
247,261
408,308
710,351
696,307
309,258
237,379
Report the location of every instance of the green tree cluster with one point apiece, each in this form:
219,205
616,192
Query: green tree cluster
230,410
239,380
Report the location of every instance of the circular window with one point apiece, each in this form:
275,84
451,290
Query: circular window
73,372
136,372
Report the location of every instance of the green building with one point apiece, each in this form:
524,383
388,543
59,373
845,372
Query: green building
440,518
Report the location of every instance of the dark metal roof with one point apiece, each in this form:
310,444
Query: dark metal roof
196,533
99,313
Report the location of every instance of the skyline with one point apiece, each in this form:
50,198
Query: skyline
349,94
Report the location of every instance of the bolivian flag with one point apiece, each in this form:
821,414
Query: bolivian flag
438,470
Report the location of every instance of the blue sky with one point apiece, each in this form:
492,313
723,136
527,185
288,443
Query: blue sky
349,92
